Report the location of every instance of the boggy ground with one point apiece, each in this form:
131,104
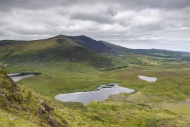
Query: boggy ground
165,102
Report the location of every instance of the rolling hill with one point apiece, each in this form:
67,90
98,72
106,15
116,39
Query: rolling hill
106,47
59,48
99,46
74,62
79,49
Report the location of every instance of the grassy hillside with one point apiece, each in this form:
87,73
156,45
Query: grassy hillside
162,103
76,49
105,47
58,48
174,55
90,43
19,107
67,66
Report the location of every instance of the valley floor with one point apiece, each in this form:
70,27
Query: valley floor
165,102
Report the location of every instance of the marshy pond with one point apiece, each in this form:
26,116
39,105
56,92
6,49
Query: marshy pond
18,76
100,93
148,79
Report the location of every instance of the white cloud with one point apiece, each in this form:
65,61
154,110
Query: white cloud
156,24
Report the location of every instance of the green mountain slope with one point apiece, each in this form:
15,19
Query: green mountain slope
18,105
105,47
68,66
23,107
59,48
75,49
99,46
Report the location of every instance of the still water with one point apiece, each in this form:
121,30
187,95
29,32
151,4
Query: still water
100,93
18,76
148,79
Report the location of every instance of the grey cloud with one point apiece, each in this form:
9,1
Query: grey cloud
142,4
111,12
125,22
100,18
127,4
7,5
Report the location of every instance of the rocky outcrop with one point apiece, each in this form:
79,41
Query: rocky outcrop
46,109
4,102
53,122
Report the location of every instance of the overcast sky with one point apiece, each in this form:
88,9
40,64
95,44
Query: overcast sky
162,24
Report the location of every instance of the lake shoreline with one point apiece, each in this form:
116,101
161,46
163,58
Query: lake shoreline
148,79
99,94
18,76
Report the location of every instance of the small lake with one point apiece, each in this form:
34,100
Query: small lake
18,76
100,93
148,79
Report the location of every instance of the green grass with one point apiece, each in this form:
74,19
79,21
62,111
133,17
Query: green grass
56,49
70,77
67,67
161,103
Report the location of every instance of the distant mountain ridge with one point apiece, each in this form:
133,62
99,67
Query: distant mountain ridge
106,47
59,48
98,46
74,49
89,43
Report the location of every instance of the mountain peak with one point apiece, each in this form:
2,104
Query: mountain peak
59,36
83,36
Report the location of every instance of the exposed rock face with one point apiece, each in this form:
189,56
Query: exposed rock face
53,122
46,109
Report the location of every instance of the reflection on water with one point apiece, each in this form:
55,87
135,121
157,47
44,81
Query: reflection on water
100,93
